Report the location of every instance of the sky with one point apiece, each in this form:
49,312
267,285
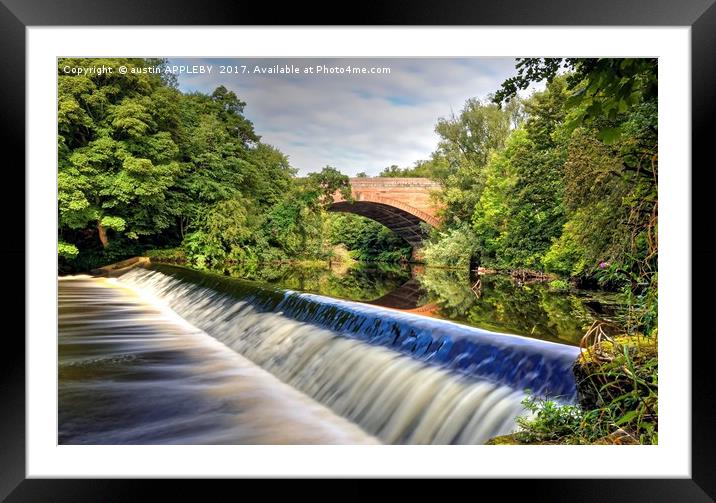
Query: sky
353,122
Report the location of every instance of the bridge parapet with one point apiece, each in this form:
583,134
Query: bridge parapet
385,181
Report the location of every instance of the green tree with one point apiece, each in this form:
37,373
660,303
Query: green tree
421,169
117,151
322,186
536,212
223,157
454,247
466,143
600,87
491,218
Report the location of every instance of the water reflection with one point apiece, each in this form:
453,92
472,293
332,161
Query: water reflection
500,303
494,302
364,282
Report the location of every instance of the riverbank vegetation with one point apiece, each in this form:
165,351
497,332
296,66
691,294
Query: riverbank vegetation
617,382
602,215
563,181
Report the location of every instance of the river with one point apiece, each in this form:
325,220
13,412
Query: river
498,302
322,355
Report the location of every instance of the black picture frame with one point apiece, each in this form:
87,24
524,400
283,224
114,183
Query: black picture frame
700,15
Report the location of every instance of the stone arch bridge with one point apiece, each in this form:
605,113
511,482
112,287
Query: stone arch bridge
401,204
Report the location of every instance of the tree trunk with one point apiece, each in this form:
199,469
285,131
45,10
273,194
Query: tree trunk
102,235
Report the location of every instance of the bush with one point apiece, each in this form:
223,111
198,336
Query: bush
548,421
454,248
67,251
167,255
203,249
566,256
559,285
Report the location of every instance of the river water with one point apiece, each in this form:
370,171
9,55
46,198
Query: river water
498,302
169,355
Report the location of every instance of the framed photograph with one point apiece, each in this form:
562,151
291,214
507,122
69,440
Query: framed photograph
435,245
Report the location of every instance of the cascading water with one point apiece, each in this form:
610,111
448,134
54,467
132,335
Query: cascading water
131,372
400,377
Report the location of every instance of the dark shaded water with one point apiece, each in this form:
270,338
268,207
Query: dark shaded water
498,303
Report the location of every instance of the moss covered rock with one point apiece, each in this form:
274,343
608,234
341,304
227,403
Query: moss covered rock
504,440
613,368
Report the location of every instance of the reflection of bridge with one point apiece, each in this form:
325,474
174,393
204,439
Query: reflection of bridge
407,298
401,204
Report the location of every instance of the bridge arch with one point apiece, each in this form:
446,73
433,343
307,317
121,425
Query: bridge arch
401,204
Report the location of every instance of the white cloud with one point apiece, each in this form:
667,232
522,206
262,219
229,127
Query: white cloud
355,123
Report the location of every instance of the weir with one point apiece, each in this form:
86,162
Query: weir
402,377
133,372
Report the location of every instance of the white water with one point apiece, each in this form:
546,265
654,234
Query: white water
394,397
133,373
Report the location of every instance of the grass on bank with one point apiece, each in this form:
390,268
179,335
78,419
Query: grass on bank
617,384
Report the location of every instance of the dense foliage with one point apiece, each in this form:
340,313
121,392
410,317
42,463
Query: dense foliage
142,166
563,181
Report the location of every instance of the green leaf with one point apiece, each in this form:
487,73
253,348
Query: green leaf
576,98
626,417
609,135
115,223
67,250
573,123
